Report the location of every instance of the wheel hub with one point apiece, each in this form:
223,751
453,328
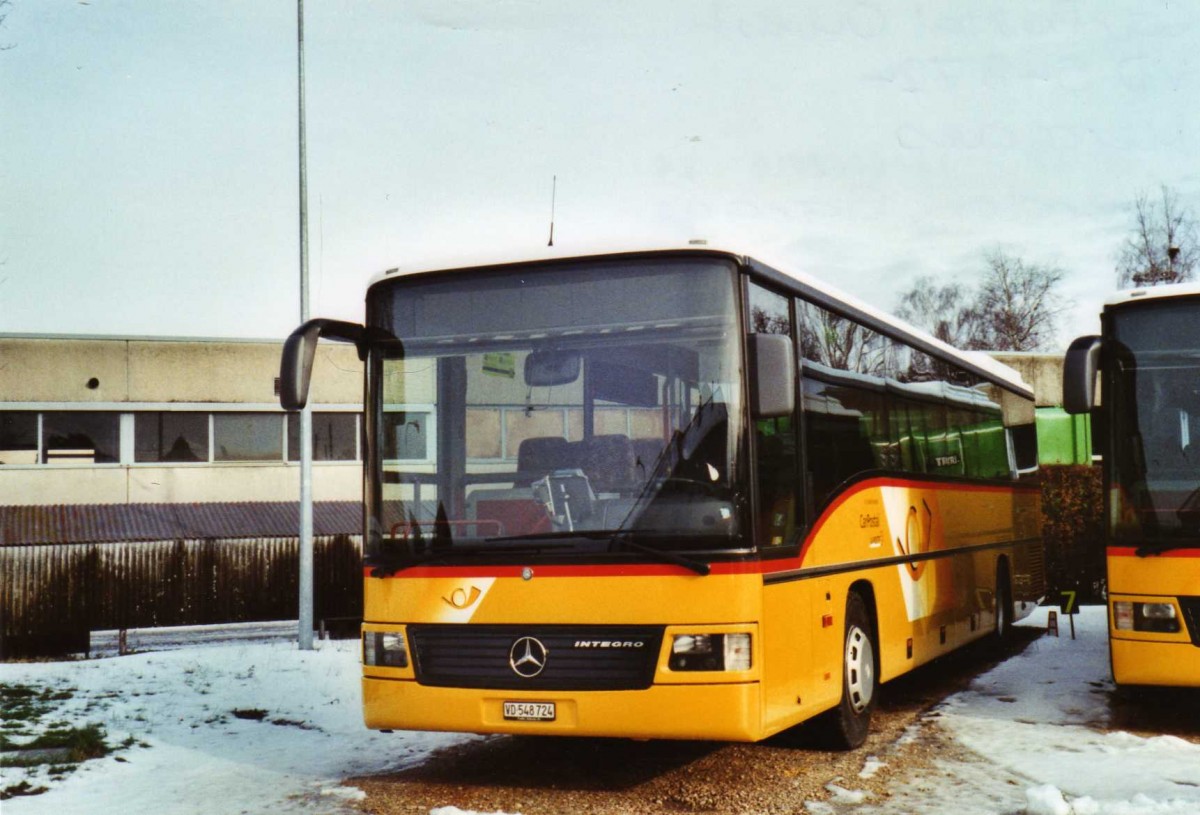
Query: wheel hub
860,669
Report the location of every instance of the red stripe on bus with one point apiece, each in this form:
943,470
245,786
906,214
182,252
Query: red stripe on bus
595,570
1131,551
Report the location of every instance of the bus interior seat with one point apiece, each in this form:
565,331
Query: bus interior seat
608,462
539,455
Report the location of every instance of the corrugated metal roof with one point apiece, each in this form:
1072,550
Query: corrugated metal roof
103,523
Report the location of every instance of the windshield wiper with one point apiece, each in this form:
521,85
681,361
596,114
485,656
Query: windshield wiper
558,537
388,564
621,538
698,566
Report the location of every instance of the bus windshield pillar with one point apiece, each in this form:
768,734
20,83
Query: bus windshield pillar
452,434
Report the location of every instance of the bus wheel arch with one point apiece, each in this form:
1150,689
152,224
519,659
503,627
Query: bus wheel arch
846,725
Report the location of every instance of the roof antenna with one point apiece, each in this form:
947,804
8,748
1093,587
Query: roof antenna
553,191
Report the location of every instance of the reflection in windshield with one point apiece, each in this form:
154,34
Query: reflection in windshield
1157,431
558,402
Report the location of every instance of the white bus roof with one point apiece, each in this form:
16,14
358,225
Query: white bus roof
1153,293
980,360
543,253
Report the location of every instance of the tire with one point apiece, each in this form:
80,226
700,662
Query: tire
1004,604
846,726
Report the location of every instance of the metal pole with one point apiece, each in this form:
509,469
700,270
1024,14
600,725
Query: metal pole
306,501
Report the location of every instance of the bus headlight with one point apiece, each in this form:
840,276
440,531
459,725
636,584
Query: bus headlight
710,652
385,649
1160,618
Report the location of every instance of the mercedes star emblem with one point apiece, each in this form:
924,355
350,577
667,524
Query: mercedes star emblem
527,657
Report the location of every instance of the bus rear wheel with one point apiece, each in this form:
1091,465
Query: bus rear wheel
847,724
1004,603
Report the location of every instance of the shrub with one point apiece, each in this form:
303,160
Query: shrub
1073,531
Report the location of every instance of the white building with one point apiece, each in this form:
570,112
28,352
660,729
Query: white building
112,420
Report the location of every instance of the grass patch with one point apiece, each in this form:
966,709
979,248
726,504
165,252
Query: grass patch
26,704
252,713
20,788
72,745
81,743
39,741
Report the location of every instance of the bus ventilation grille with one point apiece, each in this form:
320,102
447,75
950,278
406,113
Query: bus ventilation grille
1191,615
571,657
1029,573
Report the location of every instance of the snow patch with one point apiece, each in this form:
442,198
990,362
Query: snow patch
872,766
345,793
1046,799
841,795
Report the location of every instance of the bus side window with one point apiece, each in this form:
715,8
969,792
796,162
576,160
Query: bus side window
775,438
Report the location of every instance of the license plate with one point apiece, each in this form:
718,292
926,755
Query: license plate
529,711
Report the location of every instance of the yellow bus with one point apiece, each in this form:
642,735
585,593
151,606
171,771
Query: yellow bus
1148,433
671,494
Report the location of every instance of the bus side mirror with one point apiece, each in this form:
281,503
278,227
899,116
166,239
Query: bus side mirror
295,368
1080,367
772,375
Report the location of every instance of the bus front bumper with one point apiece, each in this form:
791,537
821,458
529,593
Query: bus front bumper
1143,662
725,712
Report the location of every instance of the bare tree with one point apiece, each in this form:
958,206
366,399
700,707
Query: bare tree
943,311
1015,308
4,8
838,342
1163,246
763,322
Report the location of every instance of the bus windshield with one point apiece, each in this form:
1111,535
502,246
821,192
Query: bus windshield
576,408
1156,424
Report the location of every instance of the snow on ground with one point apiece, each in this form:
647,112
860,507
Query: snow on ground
199,756
1040,723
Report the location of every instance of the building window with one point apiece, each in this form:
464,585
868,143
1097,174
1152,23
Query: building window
334,436
81,436
182,437
406,435
170,437
247,437
18,437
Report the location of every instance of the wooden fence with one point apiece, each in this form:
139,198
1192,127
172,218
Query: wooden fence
52,596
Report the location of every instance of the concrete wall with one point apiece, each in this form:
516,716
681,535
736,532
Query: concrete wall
1043,372
51,370
164,371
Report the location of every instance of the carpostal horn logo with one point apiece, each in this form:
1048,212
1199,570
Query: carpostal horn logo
916,540
462,598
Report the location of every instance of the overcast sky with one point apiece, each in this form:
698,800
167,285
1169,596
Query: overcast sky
148,182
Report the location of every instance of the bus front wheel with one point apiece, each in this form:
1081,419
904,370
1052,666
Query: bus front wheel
847,724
